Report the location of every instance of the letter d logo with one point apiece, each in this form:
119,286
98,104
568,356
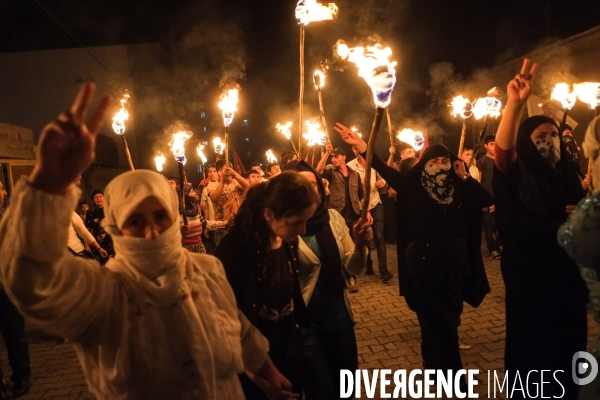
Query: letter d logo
587,368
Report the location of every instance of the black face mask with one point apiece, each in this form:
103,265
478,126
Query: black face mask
437,182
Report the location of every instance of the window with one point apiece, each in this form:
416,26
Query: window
202,115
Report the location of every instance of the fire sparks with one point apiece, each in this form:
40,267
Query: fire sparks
228,105
310,11
200,150
159,160
177,144
218,145
270,156
414,138
121,116
374,66
315,136
319,79
564,95
285,130
461,107
588,92
355,129
487,107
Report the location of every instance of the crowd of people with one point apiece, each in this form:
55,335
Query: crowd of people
267,315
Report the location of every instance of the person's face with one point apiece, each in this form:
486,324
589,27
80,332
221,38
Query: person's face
212,174
254,179
275,170
491,148
173,184
546,136
257,168
407,153
287,228
438,164
84,208
338,160
567,132
467,156
99,200
148,220
311,178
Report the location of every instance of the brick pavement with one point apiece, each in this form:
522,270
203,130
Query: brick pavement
387,331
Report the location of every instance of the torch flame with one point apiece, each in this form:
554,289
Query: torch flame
285,129
271,157
562,93
228,105
159,160
310,11
414,138
200,150
218,145
355,129
374,66
487,106
588,92
315,136
461,107
177,144
121,116
319,79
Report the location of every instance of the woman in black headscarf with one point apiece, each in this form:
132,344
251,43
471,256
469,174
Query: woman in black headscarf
536,187
435,270
328,342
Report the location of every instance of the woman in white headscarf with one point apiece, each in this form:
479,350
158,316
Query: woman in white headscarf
158,322
580,236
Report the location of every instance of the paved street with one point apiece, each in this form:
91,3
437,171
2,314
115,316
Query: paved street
387,331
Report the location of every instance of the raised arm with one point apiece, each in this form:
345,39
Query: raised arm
518,90
323,160
390,161
62,294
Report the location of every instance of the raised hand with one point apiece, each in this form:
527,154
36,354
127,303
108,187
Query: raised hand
351,137
67,144
519,89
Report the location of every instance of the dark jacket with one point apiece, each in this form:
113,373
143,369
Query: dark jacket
337,187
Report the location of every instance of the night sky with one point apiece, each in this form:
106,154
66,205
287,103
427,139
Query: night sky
468,34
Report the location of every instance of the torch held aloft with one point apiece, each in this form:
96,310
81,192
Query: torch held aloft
462,138
368,163
127,153
389,122
181,195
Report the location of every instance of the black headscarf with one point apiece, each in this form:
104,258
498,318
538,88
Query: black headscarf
318,224
546,191
434,151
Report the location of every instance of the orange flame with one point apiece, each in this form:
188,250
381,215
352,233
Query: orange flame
461,107
228,105
121,116
564,95
487,106
218,145
200,150
159,160
414,138
319,79
588,92
285,129
271,157
310,11
374,66
315,136
177,145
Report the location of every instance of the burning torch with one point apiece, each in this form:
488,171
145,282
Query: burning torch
200,151
379,72
218,145
159,160
177,145
463,108
414,138
228,105
567,98
270,156
589,93
314,137
308,11
319,81
118,126
485,107
285,130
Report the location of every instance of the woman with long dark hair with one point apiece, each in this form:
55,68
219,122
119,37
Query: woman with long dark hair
260,255
325,249
536,187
